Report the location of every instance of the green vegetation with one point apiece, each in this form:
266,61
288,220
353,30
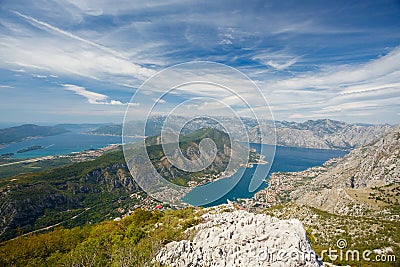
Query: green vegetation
34,200
6,155
9,170
361,233
20,133
92,190
388,194
31,148
189,145
115,129
133,241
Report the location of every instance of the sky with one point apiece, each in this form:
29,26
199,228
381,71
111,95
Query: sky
82,61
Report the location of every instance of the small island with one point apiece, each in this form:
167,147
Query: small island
29,149
6,155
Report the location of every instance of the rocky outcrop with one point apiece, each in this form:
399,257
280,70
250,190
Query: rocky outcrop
113,177
240,238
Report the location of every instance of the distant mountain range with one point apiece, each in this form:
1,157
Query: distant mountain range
354,199
362,182
367,177
325,134
26,131
35,200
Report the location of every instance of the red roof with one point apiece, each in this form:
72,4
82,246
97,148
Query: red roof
158,207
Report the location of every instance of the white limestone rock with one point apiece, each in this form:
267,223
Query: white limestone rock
240,238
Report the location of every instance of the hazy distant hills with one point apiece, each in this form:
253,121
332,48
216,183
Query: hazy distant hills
26,131
326,133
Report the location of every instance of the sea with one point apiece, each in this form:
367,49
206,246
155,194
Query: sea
76,140
239,185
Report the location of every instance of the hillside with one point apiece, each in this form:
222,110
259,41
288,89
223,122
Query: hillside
324,133
26,131
189,145
89,189
132,241
364,181
328,134
96,190
355,198
352,184
310,219
220,236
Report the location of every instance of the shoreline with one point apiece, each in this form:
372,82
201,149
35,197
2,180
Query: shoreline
224,175
87,154
116,135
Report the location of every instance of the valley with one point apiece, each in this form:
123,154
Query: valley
342,199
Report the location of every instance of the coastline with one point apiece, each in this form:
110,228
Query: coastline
222,175
88,154
116,135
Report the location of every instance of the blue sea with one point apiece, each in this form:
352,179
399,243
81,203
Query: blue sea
287,159
74,141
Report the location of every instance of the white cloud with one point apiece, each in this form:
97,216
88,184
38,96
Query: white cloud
370,87
116,102
92,97
281,65
133,104
159,100
277,60
59,51
341,77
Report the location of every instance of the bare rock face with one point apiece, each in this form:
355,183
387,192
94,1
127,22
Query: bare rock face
375,164
324,133
240,238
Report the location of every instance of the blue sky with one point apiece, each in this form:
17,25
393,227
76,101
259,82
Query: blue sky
81,61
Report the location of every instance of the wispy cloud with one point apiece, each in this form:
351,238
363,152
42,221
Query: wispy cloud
338,89
67,53
92,97
277,60
342,76
310,60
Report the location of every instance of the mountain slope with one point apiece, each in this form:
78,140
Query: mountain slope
365,181
329,134
324,133
22,132
97,188
34,200
189,144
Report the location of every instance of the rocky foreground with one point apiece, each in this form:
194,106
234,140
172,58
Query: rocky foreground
240,238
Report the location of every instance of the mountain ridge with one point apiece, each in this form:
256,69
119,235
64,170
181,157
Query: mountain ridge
26,131
323,133
348,185
28,200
